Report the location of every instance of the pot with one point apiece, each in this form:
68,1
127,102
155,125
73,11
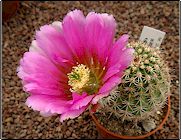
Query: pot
106,134
9,8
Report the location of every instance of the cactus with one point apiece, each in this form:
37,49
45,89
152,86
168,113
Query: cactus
144,86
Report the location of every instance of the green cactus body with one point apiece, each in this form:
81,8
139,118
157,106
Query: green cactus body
144,88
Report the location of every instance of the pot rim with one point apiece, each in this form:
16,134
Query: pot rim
6,16
132,137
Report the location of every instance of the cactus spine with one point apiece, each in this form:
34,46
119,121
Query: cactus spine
144,88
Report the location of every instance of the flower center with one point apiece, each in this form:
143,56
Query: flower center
81,79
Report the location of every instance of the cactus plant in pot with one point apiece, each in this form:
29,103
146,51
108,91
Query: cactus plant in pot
140,104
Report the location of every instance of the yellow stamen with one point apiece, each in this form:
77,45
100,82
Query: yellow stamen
78,77
82,79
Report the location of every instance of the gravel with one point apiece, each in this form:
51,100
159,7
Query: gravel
20,122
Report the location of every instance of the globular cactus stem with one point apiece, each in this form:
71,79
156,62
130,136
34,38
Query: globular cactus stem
144,88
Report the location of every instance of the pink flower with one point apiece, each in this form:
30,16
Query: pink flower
73,64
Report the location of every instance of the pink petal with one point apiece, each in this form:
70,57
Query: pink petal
100,30
122,41
34,48
57,25
119,59
81,101
42,83
110,84
99,96
41,76
72,114
20,72
77,96
106,88
110,72
48,79
73,28
46,114
79,104
46,103
35,63
53,44
125,59
35,88
117,50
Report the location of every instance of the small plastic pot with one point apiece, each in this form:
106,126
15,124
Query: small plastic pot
9,9
106,134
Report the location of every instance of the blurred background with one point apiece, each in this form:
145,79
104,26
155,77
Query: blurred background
22,19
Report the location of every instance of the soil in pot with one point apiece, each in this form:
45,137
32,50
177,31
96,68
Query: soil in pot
129,128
